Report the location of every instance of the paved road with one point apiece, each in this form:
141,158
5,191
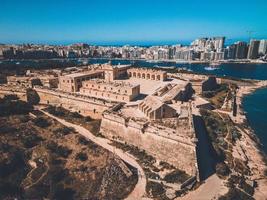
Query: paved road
140,188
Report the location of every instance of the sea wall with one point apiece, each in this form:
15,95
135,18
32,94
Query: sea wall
163,144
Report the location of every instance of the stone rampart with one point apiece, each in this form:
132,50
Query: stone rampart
75,102
160,142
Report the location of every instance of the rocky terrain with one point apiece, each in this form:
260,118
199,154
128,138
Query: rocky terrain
41,158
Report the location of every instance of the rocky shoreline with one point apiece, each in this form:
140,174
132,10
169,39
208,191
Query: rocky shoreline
250,144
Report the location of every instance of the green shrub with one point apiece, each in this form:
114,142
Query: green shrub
156,189
176,176
81,156
41,122
222,169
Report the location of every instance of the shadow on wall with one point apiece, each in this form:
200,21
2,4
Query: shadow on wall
205,159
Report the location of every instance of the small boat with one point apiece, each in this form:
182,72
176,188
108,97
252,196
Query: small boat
210,68
17,63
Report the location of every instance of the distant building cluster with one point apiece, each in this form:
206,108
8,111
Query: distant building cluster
203,49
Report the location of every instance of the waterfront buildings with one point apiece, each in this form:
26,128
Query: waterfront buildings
202,49
263,47
253,51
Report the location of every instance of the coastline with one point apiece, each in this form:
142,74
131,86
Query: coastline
251,145
219,62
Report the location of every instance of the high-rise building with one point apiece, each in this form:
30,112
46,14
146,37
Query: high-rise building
263,47
218,43
241,50
231,52
253,51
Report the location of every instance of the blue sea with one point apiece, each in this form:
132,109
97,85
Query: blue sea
255,104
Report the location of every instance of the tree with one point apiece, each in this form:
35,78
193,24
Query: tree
33,97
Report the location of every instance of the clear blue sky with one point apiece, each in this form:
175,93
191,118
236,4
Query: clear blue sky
129,21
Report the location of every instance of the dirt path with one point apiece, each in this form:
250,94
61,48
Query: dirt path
211,189
140,188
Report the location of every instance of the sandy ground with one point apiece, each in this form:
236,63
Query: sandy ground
212,188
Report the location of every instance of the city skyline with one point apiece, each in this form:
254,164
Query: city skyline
138,23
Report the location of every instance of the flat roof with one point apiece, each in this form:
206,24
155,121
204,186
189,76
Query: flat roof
80,74
113,83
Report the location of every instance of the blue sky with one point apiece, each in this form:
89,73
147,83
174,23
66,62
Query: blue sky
129,21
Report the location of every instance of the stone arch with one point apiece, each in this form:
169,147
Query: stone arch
134,74
139,75
153,77
148,76
158,77
144,76
130,74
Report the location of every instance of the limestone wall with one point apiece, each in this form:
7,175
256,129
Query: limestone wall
82,105
175,150
21,93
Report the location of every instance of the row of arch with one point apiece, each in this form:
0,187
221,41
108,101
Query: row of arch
144,76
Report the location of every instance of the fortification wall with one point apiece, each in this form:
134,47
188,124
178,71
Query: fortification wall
181,153
82,105
85,106
21,93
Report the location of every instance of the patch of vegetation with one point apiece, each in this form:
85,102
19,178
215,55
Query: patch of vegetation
143,157
74,117
11,105
82,140
217,97
30,141
234,194
41,122
155,189
33,97
222,170
62,131
176,176
217,131
59,150
81,156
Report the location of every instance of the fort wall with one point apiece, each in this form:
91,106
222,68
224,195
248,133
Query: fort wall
160,142
84,105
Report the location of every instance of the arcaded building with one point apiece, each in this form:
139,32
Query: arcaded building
148,74
154,108
116,91
73,82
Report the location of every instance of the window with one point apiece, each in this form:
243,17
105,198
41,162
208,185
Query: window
63,81
86,85
92,85
125,91
68,81
71,81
